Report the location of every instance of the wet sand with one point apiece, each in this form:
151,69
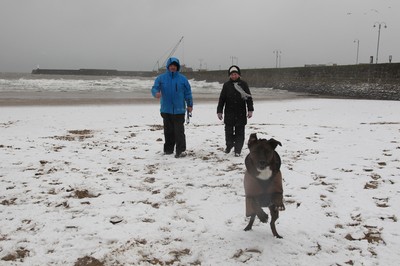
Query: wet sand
110,98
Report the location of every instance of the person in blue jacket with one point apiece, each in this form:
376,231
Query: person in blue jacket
175,94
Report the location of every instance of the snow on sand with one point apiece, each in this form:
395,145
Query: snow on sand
90,183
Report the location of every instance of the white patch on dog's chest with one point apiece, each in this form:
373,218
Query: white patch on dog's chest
265,174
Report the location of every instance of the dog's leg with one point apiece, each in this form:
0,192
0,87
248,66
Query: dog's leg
259,211
277,201
274,216
250,225
254,209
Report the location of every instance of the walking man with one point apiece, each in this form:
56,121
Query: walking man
175,94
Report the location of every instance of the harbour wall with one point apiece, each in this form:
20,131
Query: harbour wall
366,81
93,72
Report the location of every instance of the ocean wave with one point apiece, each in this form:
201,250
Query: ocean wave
29,83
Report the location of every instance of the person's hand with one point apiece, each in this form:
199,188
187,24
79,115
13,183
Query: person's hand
158,95
219,116
250,114
190,109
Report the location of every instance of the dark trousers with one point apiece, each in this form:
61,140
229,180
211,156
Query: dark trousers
174,133
234,137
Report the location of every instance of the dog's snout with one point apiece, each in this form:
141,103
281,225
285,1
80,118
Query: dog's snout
262,164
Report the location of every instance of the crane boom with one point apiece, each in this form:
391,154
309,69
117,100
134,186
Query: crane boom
169,55
173,50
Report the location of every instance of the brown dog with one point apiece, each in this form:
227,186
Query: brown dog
263,181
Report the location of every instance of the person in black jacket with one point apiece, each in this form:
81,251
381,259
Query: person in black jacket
235,97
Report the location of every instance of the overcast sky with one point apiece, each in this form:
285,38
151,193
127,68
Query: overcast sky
135,34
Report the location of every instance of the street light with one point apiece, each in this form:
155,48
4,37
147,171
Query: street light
277,55
358,47
379,24
234,58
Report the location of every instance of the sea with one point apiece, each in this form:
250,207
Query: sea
26,86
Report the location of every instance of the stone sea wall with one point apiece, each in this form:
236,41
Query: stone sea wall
93,72
364,81
367,81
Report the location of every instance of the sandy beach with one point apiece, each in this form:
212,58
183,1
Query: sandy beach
95,98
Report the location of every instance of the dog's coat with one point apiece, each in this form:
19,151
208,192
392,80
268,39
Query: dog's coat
263,181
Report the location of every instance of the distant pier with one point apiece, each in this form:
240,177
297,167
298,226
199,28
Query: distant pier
94,72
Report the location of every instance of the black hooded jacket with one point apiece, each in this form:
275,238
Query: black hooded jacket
235,107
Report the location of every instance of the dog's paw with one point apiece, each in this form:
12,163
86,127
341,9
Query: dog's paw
278,204
280,207
248,228
263,217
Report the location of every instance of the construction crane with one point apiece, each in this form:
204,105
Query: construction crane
166,58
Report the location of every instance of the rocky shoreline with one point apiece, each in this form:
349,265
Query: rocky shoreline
352,91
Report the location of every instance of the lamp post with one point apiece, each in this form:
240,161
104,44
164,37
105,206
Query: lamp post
379,24
277,55
358,47
234,58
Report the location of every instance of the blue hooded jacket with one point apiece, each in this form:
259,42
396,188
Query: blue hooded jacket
175,89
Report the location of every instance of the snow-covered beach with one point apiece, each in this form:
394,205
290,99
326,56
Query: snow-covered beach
82,182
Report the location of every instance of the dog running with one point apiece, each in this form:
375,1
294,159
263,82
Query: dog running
263,181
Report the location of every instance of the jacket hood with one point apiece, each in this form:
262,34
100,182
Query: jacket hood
172,60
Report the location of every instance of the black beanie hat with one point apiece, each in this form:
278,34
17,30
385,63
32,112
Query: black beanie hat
233,69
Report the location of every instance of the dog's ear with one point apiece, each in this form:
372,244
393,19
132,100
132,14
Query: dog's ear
253,138
274,143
